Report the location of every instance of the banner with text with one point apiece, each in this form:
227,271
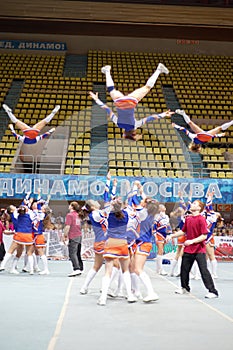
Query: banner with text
73,187
224,248
32,45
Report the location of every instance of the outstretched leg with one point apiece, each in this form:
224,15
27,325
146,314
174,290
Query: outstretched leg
218,129
42,123
21,125
192,125
143,91
110,83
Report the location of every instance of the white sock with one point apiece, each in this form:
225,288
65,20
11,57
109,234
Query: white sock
12,117
120,282
109,80
30,263
90,275
152,80
49,117
5,260
225,126
147,282
115,272
179,265
173,266
35,260
214,266
25,261
14,263
186,117
105,286
127,281
135,283
159,260
44,262
209,266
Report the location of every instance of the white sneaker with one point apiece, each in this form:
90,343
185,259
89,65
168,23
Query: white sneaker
2,268
151,297
83,290
163,273
111,293
171,275
162,68
36,269
31,272
138,295
75,273
180,111
181,291
25,270
132,298
101,301
211,296
105,69
6,108
214,276
56,109
14,271
44,272
121,294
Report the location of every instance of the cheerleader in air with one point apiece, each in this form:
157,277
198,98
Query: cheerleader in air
199,136
31,134
126,104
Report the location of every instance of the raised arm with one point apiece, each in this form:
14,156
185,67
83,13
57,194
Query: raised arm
19,137
100,103
153,117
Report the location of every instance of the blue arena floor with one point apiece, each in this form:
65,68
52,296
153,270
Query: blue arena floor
47,312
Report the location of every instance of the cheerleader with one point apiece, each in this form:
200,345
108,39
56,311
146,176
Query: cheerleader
125,105
44,222
200,137
212,219
31,134
2,248
161,229
22,219
146,209
116,247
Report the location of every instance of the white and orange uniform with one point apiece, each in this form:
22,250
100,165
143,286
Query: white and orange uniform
211,219
161,227
23,225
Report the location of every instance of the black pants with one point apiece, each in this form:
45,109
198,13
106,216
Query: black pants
74,247
2,251
186,265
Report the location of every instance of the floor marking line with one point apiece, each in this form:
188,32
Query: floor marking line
57,331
